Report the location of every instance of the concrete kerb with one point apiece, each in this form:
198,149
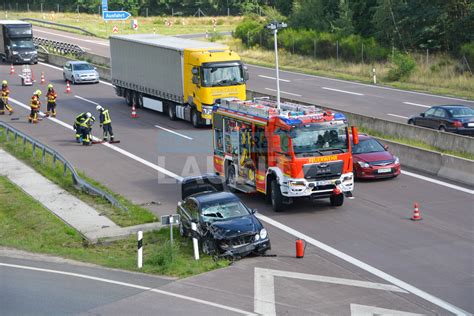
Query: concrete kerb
72,211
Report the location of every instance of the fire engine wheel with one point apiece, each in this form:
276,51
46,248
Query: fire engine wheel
172,111
276,197
337,200
230,178
195,118
208,247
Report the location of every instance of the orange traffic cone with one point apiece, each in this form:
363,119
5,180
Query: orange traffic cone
68,87
12,69
42,78
416,213
32,75
134,112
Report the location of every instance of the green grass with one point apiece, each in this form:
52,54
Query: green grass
438,76
28,226
96,25
134,214
416,143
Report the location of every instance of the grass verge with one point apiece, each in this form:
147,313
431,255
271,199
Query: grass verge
134,214
28,226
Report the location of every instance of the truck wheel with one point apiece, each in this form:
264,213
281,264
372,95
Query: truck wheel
139,100
195,118
172,111
276,196
129,97
230,178
337,200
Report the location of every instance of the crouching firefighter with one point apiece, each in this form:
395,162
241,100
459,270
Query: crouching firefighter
105,123
83,127
35,107
51,98
4,100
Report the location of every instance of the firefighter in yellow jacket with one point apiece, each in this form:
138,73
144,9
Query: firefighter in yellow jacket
51,96
4,99
35,107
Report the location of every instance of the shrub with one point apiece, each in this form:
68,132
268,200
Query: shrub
403,66
467,50
249,31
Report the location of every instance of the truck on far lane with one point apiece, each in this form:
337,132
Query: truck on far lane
180,77
16,42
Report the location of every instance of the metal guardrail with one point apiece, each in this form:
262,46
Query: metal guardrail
59,24
58,47
82,184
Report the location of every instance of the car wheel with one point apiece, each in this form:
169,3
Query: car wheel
208,247
64,76
276,197
442,129
195,118
172,111
337,200
411,122
230,179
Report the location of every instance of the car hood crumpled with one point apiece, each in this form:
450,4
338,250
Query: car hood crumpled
235,227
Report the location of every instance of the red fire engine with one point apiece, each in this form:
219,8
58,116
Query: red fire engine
293,152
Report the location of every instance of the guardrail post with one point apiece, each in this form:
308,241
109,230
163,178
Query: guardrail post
16,138
34,150
6,134
24,143
54,159
43,154
65,169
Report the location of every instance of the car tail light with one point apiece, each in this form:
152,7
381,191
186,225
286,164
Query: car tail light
457,124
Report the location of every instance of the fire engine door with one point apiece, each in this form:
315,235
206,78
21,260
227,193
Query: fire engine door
246,163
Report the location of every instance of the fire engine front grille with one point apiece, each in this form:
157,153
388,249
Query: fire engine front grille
323,170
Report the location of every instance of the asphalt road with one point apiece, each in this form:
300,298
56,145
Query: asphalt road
434,255
377,101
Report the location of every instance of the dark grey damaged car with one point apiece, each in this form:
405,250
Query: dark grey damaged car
225,226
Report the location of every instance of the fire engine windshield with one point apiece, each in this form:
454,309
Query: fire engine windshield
225,75
317,139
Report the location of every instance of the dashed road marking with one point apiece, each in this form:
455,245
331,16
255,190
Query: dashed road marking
284,92
417,104
400,116
342,91
273,78
173,132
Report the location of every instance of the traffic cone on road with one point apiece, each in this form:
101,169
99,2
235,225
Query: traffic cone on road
12,69
42,78
416,213
134,112
32,75
68,87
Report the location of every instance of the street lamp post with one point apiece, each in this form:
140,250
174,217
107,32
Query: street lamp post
274,27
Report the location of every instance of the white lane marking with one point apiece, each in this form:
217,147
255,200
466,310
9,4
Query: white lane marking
403,117
312,241
274,90
342,91
173,132
273,78
58,68
360,310
130,285
417,104
84,99
264,286
362,84
72,37
385,276
445,184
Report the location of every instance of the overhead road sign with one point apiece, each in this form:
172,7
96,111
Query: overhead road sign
115,15
105,6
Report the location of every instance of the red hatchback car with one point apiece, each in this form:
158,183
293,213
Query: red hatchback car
372,160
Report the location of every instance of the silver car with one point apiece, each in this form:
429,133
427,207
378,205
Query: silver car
79,72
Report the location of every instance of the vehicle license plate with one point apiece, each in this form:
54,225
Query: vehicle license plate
470,124
324,182
384,170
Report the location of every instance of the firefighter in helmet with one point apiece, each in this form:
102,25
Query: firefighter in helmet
35,107
51,96
105,123
4,99
83,127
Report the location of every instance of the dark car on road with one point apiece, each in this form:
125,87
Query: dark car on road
447,118
372,160
225,226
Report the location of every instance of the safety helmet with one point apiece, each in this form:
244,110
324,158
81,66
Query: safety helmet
50,86
88,114
99,108
4,82
38,92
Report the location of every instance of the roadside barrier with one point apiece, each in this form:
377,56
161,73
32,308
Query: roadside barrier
56,47
59,24
80,183
140,250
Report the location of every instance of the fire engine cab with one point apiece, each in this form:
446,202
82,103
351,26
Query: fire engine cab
296,151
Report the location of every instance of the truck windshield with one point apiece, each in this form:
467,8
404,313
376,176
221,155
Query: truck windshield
22,44
222,76
319,138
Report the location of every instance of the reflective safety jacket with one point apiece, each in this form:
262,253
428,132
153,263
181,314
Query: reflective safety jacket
5,93
51,95
104,117
35,102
